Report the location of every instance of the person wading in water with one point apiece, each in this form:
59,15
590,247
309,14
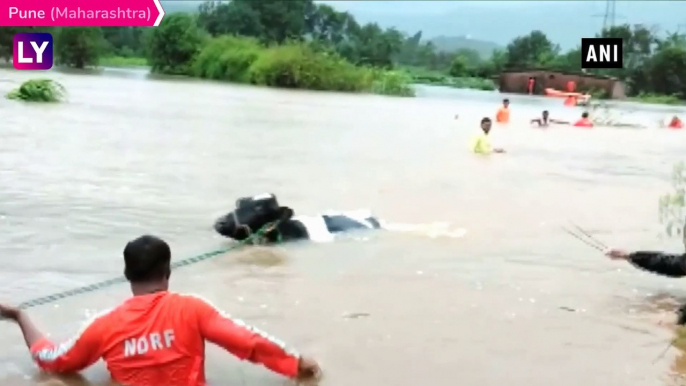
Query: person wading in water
481,144
545,121
157,338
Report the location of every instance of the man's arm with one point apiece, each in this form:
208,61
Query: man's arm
245,342
71,356
659,263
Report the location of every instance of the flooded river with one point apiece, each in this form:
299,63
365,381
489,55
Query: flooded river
475,284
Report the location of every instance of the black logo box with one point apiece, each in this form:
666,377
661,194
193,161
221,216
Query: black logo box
595,45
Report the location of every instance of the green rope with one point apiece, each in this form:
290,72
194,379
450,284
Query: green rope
255,238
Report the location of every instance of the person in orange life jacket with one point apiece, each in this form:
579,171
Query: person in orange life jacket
584,122
157,337
675,123
503,114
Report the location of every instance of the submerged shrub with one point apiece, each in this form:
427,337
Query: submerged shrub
226,58
39,90
392,83
297,65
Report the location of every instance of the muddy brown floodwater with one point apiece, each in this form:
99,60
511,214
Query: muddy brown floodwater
502,298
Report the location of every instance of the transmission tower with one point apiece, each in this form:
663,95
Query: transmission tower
610,14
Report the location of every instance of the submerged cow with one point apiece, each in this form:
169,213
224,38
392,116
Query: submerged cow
253,213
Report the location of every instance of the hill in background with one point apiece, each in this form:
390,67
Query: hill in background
454,43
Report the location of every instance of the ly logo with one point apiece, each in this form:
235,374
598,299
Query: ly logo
32,51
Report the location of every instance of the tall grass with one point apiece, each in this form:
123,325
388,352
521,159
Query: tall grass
291,65
123,61
38,90
437,78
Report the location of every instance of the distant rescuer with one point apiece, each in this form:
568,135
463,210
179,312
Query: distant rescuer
156,337
503,114
664,264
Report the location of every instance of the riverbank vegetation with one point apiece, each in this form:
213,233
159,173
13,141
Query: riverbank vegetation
122,61
38,90
655,62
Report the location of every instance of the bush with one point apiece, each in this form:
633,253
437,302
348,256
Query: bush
38,90
227,58
296,65
392,83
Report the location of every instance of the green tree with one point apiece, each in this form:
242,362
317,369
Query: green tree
569,61
79,47
7,38
124,41
494,66
666,72
459,67
6,41
638,44
327,25
471,57
234,18
282,19
174,44
530,51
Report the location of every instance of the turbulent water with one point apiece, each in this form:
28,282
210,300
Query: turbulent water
474,283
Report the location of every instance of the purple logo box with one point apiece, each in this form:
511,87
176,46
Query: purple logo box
32,51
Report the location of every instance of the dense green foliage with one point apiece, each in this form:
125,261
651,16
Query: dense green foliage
288,44
292,64
655,64
38,90
173,46
79,47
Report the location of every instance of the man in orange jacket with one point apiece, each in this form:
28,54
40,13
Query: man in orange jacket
157,338
503,114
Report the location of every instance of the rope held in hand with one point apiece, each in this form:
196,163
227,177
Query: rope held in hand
254,238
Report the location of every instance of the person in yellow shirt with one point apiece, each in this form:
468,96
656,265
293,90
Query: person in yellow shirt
481,144
503,115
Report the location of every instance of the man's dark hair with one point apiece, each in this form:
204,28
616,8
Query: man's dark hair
485,119
147,258
584,115
506,100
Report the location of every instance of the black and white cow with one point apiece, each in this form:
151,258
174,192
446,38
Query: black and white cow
252,213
